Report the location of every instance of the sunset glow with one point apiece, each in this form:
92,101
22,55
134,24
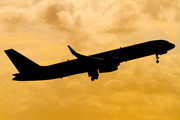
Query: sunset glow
41,30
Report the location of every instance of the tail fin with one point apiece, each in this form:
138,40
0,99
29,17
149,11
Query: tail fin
22,63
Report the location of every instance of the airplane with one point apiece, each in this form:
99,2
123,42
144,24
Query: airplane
92,64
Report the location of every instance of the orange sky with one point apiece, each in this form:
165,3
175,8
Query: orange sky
138,90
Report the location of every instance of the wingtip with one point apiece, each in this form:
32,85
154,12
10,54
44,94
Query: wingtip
70,49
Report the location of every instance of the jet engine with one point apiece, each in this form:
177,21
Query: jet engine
93,74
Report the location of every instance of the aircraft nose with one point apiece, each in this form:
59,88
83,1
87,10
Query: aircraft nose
171,46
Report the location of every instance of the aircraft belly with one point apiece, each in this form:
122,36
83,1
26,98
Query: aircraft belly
67,68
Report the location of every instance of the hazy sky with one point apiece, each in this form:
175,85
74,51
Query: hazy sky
138,90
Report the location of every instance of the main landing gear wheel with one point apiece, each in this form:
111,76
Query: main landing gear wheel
92,79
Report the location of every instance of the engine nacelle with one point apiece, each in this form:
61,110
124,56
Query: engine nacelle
93,74
108,69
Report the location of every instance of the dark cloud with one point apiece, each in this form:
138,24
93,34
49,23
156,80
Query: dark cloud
59,16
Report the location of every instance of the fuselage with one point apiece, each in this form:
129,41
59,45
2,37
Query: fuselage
111,58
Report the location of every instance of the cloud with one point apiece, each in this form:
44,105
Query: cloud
85,24
68,17
114,16
11,18
131,92
140,89
162,9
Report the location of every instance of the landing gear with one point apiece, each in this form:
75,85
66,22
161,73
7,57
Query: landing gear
157,61
92,79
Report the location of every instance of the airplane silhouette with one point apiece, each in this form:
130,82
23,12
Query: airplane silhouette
92,64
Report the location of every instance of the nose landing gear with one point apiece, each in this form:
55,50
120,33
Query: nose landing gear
157,61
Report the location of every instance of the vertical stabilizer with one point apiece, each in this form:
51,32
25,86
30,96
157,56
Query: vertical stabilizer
22,63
